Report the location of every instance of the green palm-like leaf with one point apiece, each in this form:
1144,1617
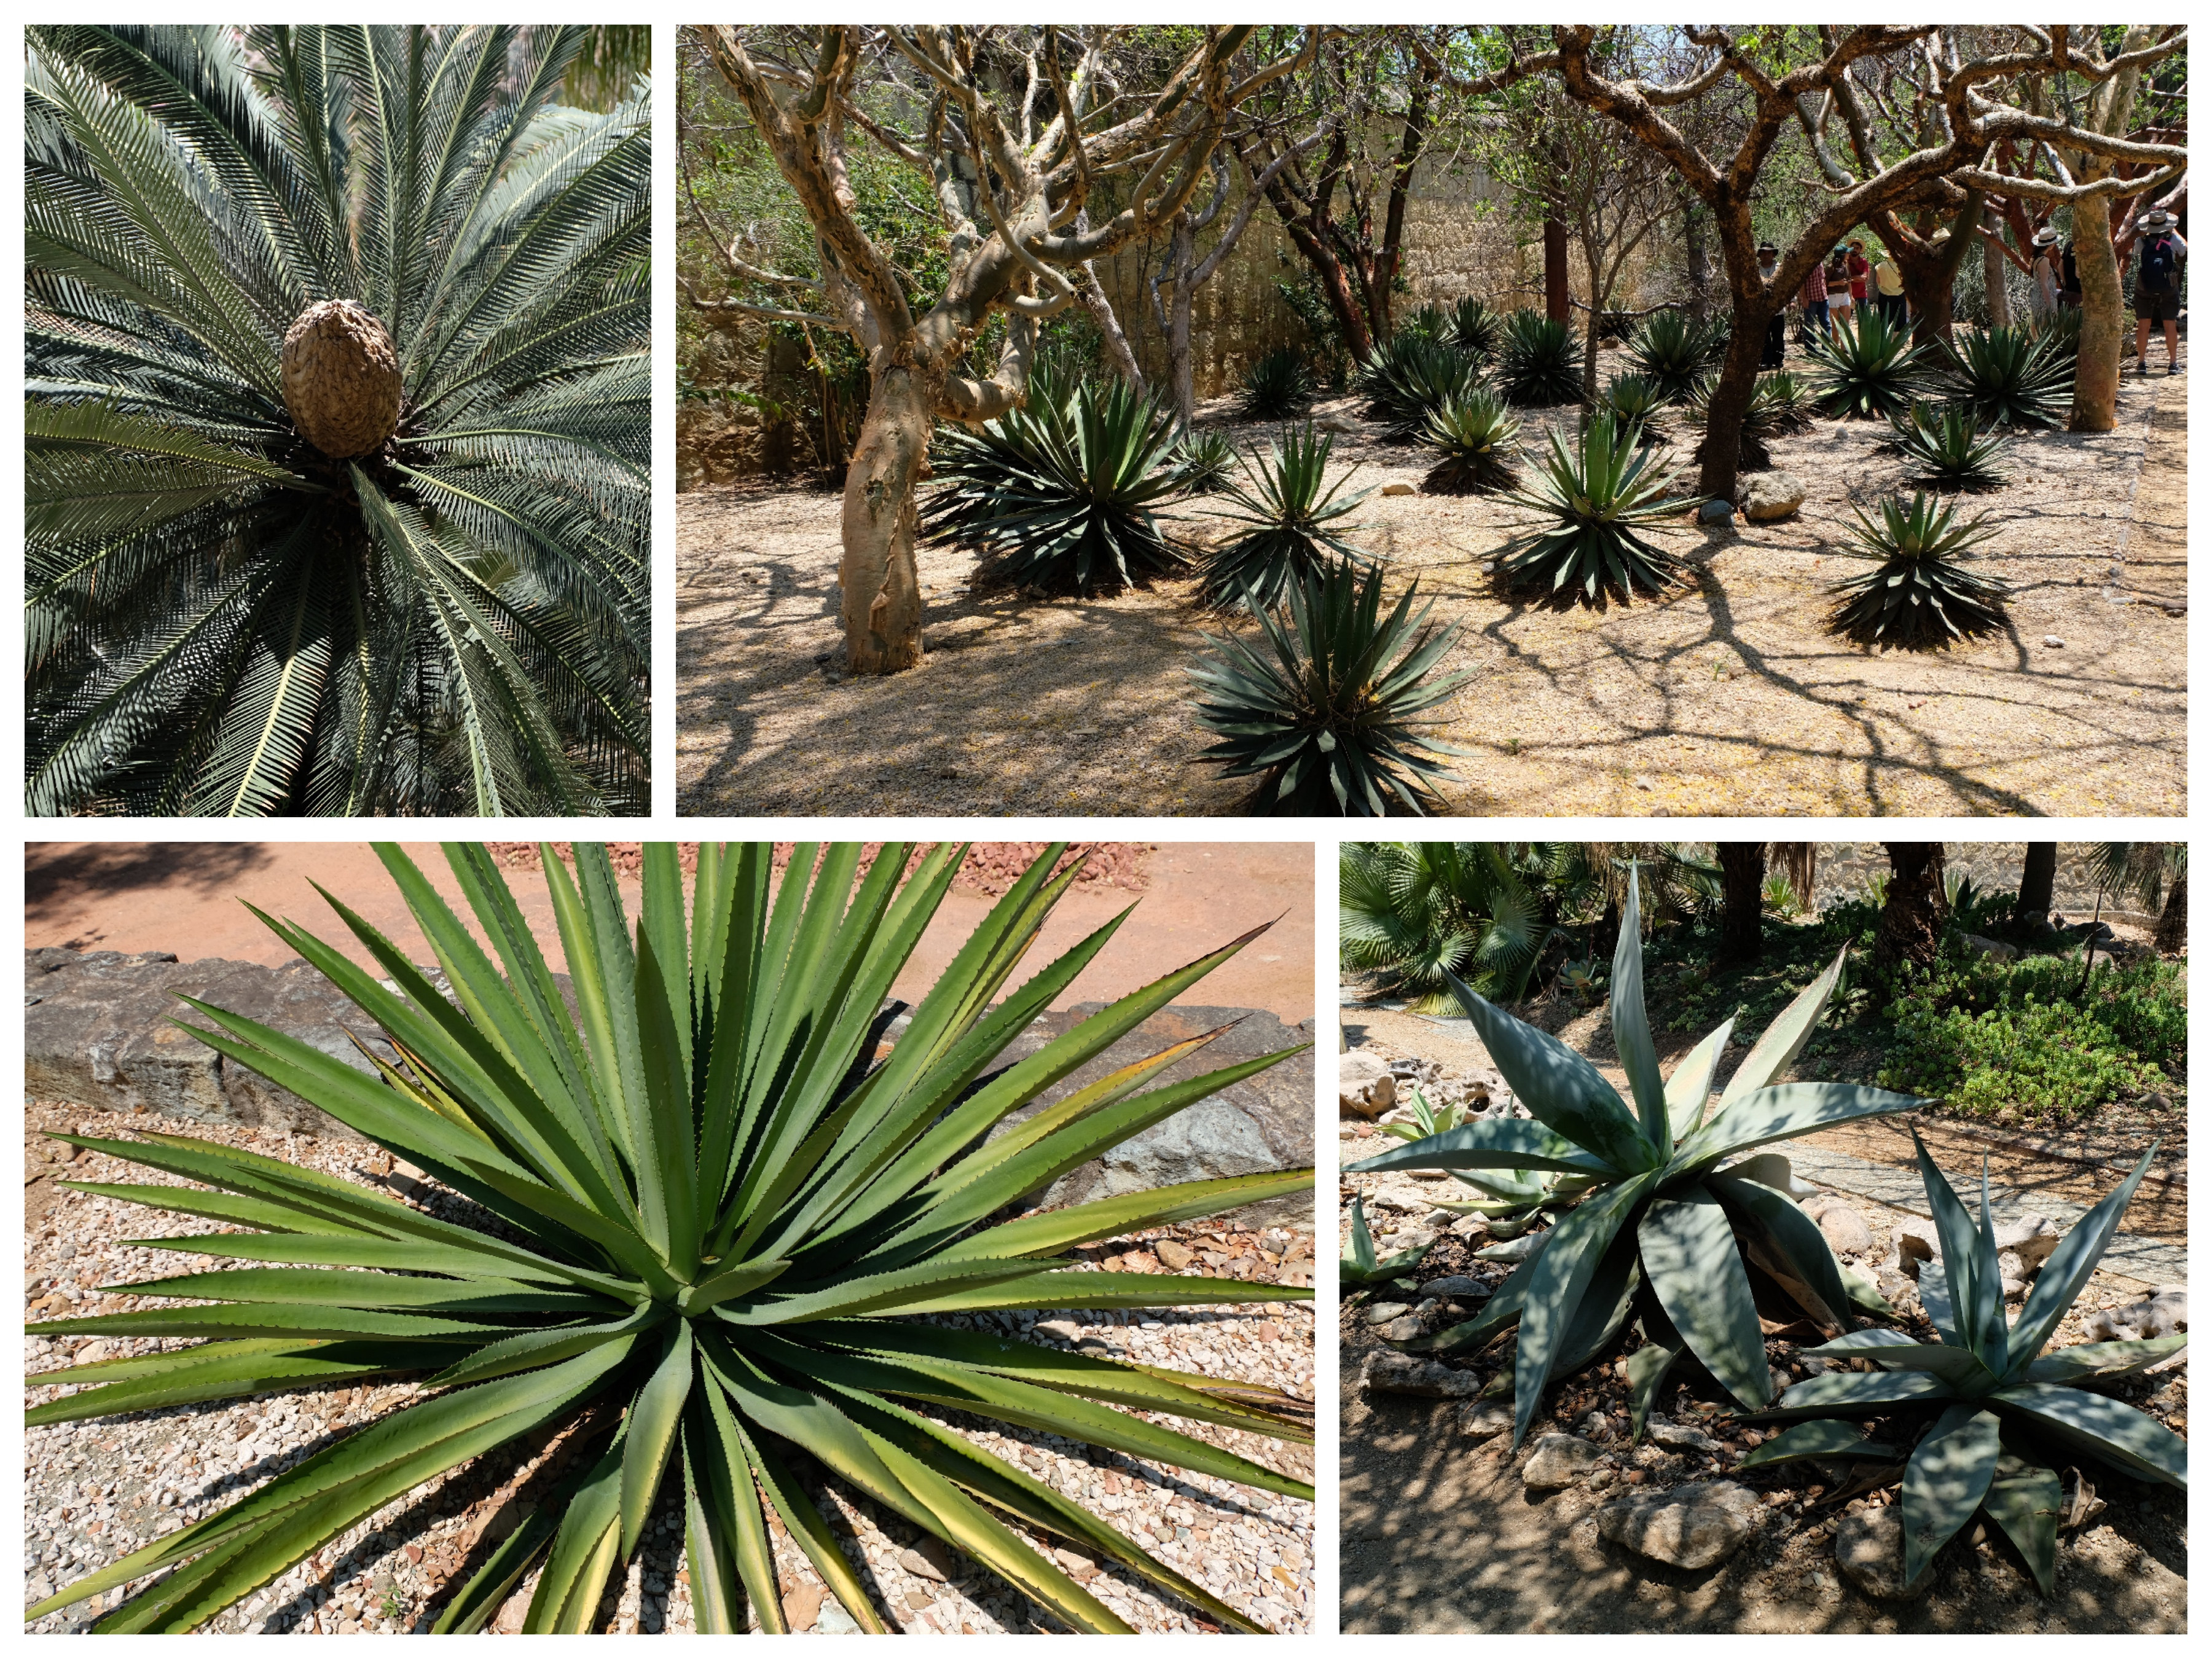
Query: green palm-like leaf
221,618
726,1220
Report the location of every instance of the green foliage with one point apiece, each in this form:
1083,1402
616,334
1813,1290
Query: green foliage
1203,462
1477,439
1059,494
1326,716
1658,1233
1362,1267
1675,352
1408,378
1997,1398
222,619
1474,330
1598,494
1428,322
1761,424
1326,346
709,1224
1783,401
1539,364
1295,520
1919,593
2006,377
1277,387
1947,448
1635,403
1409,912
1866,369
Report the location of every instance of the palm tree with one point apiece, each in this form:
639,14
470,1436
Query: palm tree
337,473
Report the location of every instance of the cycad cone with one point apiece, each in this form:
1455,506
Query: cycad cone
341,379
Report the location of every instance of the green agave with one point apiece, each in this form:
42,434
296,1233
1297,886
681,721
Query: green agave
1203,462
2007,377
1409,377
1539,362
1636,400
1280,386
1474,329
1657,1230
1476,438
2002,1399
1868,370
1599,495
1920,593
722,1220
1948,446
1294,525
1674,352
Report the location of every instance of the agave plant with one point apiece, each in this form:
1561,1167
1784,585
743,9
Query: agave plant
1675,352
1362,1267
1539,363
2002,1399
1296,526
1203,462
2006,377
1474,329
1325,717
1867,369
1476,436
711,1221
1059,495
1759,426
1598,495
1408,379
1635,402
1784,401
1919,593
1659,1222
1280,386
1426,322
337,492
2060,336
1948,448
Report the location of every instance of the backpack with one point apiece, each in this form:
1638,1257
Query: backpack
2159,265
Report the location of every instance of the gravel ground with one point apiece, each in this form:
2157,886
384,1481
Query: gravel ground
98,1490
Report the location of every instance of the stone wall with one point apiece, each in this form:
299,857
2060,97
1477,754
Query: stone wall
1843,869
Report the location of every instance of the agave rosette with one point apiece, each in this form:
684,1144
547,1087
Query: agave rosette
1294,521
1920,592
1600,493
1660,1224
2001,1398
723,1214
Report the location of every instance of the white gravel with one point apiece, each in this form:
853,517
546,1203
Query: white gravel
97,1490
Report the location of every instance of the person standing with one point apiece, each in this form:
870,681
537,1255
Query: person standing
1889,291
1770,355
1859,269
1839,292
2070,278
1813,296
2159,256
2044,277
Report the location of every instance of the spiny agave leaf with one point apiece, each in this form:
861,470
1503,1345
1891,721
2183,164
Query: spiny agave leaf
567,1598
1945,1480
1561,1090
1645,1369
2068,1270
1077,1290
1783,1113
1128,1212
1362,1259
1850,1392
1968,1377
2102,1361
1556,1286
651,1433
1816,1437
1970,1269
1631,1031
1690,1084
1796,1251
2025,1501
222,1371
1689,1255
2108,1429
1783,1039
1603,1311
1488,1144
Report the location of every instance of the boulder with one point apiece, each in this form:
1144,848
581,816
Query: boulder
1715,513
1387,1372
1365,1086
1559,1460
1916,1242
1457,1288
1402,1330
2164,1313
1689,1526
1845,1229
2031,1238
1995,949
1768,496
1870,1552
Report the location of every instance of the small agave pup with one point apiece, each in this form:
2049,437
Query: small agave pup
718,1218
2001,1393
1656,1231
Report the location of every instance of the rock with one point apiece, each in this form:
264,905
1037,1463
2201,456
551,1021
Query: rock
1690,1527
1396,487
1365,1086
1060,1330
1676,1438
1596,1427
1402,1330
1768,496
834,1621
1410,1374
1559,1460
2165,1313
1996,950
1457,1288
1715,513
802,1604
1174,1256
928,1559
2054,642
1870,1551
2030,1238
1343,425
91,1354
1917,1242
1483,1419
1410,1238
1845,1229
1382,1313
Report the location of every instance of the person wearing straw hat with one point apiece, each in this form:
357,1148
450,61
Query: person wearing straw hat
2043,274
1889,289
2159,256
1770,355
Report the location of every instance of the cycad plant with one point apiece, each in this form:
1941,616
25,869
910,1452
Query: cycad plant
1867,369
1327,715
1408,378
1948,448
1919,593
712,1219
1280,386
1477,439
1675,352
2007,377
1294,526
1539,363
1598,495
1656,1233
336,482
1474,329
1410,911
1059,495
1635,401
2004,1412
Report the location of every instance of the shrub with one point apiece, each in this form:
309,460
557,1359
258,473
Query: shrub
1326,718
1408,911
2042,1059
2006,377
709,1210
1474,329
1277,387
1674,353
1946,449
1539,363
1408,379
1203,462
1920,594
1476,437
1598,495
1059,495
1296,525
1868,370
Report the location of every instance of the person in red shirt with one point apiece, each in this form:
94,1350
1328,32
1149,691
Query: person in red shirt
1859,271
1813,296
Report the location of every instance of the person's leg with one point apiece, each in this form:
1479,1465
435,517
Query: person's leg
2143,344
2173,345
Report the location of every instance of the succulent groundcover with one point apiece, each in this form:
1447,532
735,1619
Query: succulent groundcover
712,1206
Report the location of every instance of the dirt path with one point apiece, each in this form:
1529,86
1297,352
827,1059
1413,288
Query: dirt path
1729,699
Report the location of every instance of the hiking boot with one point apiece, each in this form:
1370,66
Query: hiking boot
2173,367
2142,367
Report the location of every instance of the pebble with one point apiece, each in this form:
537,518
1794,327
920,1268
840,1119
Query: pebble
2054,642
1383,1312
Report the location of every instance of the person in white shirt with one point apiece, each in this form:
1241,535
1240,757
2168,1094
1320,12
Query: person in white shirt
2159,259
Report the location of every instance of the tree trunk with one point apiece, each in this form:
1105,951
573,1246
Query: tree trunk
1412,136
1093,295
2172,934
1993,282
1184,255
1555,269
1731,398
2097,368
1911,926
1743,898
2032,908
880,592
1697,256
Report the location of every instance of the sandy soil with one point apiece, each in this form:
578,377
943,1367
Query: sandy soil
1728,699
184,897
